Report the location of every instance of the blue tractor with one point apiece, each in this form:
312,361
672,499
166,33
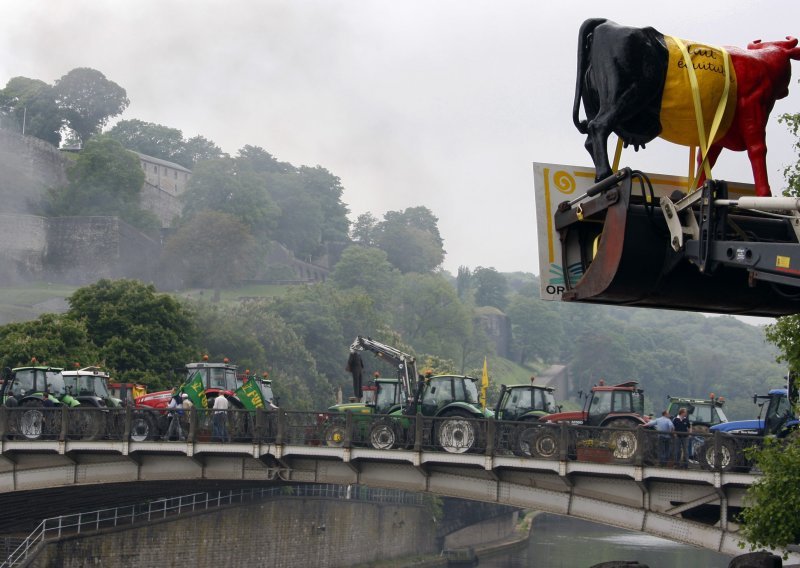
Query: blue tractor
780,421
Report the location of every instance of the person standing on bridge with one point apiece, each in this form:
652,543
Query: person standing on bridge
682,429
174,411
220,433
663,424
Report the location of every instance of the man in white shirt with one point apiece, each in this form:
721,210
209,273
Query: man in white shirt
221,405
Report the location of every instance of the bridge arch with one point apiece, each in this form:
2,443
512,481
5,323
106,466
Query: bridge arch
647,499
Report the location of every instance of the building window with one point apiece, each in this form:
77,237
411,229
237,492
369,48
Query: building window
155,169
176,174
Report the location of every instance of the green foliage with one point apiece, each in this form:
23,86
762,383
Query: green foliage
772,516
368,270
139,333
163,142
211,250
491,288
105,179
216,186
430,316
87,100
148,138
33,102
536,329
792,172
52,339
411,240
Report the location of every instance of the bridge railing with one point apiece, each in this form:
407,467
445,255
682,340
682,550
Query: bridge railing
454,433
54,528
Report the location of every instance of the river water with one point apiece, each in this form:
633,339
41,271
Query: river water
563,542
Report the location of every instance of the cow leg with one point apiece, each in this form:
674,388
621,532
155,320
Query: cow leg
757,152
597,145
713,154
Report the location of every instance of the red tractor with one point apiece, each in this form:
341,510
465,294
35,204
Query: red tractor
617,407
220,379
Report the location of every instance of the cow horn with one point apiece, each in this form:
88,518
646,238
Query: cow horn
791,42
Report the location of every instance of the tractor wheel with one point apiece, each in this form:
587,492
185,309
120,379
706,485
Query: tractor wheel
458,432
623,442
697,440
86,423
335,434
383,435
31,423
142,427
728,454
545,443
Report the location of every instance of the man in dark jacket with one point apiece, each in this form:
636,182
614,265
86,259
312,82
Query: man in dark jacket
682,429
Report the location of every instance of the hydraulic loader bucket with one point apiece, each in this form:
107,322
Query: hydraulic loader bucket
616,250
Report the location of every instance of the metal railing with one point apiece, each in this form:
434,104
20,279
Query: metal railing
53,529
450,434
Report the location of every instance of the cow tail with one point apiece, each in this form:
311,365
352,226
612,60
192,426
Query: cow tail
584,43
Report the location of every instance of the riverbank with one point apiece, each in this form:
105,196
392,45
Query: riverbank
487,550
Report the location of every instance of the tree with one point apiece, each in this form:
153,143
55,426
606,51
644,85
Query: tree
792,172
771,518
87,100
151,139
212,250
30,105
366,269
430,316
535,328
53,339
106,179
139,333
363,230
197,149
411,240
464,282
218,186
491,288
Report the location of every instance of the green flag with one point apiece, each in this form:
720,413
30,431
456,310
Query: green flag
196,390
250,395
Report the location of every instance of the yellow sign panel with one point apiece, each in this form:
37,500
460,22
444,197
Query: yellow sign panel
782,262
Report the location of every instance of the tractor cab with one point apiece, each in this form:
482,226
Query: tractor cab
702,412
779,412
520,402
441,394
90,387
26,386
606,402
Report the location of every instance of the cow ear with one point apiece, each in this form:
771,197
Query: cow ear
795,53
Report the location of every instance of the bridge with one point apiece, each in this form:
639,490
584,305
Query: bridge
600,475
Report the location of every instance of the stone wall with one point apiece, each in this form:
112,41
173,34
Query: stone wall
75,250
29,166
278,533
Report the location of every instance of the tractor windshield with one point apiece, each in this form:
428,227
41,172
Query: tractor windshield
387,396
55,380
778,411
266,391
470,391
24,382
90,384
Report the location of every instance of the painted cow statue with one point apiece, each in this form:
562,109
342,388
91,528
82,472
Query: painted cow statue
634,82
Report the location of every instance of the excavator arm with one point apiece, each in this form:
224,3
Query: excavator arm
702,252
405,365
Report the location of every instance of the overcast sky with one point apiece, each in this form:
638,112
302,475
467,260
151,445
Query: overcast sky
410,102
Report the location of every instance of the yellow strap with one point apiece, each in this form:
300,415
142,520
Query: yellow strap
692,154
698,109
617,155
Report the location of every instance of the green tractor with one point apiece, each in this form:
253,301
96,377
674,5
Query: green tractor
525,404
34,391
453,399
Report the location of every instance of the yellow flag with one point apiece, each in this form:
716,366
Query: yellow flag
484,383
